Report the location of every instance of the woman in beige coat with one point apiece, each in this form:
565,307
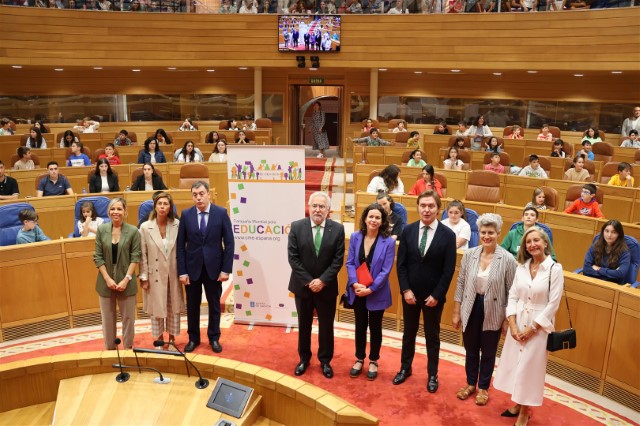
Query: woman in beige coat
162,292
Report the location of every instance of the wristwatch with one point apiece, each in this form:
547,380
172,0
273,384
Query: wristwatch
129,277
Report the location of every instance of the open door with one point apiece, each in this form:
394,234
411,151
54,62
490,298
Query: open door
302,99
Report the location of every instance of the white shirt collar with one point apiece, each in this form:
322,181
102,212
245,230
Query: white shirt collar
313,224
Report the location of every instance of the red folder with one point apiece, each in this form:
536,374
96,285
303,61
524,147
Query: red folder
363,275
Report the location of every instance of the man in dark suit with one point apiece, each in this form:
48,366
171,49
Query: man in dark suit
316,254
205,259
425,268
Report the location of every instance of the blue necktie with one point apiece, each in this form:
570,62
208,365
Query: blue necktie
203,223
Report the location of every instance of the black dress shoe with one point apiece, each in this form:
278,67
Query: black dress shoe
191,346
432,385
327,370
402,376
301,368
216,346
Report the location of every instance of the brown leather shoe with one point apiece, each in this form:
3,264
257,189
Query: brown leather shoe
465,392
482,397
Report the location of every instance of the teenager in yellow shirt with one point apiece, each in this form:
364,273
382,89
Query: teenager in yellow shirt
623,178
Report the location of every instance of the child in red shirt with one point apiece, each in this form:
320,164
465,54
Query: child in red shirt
109,154
587,205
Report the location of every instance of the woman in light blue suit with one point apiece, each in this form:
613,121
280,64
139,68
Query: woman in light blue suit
373,245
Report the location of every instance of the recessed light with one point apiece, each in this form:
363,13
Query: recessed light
497,73
616,72
455,70
243,68
532,72
16,66
578,75
313,69
172,68
58,69
136,70
417,72
382,69
97,68
211,70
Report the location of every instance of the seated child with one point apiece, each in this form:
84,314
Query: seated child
441,129
533,169
77,157
25,162
586,150
587,204
416,159
88,225
493,145
122,139
558,149
633,141
414,140
516,132
545,135
537,202
110,154
30,232
494,165
623,178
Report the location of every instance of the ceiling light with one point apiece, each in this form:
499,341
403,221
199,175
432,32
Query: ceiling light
532,72
58,69
243,68
616,72
382,69
97,68
497,73
455,70
578,75
16,66
211,70
417,72
171,68
136,70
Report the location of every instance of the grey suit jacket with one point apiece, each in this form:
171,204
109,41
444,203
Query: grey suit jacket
503,269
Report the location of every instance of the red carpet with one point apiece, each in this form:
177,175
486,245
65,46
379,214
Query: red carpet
409,403
319,174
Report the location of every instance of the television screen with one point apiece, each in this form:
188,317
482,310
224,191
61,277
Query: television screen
309,33
229,397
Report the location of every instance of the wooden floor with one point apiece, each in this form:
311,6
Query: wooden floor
39,414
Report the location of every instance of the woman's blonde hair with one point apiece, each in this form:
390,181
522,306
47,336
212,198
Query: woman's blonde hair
523,254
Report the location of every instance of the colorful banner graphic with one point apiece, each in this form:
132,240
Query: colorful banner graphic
266,194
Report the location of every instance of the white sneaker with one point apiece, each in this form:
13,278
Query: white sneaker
320,155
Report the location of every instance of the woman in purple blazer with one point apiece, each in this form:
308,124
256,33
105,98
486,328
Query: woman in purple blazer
373,245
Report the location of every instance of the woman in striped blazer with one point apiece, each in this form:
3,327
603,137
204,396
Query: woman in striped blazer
485,277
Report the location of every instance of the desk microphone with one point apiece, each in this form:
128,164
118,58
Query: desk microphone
122,377
160,380
201,383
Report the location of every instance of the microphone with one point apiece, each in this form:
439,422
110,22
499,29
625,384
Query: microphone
122,377
161,380
201,383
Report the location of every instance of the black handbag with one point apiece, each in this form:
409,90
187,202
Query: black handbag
563,339
344,301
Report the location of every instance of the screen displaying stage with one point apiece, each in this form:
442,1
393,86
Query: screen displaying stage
309,33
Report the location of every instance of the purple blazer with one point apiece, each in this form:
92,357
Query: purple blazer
381,265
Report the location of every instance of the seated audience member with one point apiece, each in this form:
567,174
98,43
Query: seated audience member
331,7
110,154
89,222
623,178
416,159
397,9
396,221
457,221
219,154
373,140
558,149
608,258
529,5
587,204
441,129
151,153
368,126
252,124
494,165
533,169
462,129
631,123
67,139
189,154
122,139
30,232
77,157
8,185
512,241
39,124
516,132
452,162
242,137
414,140
577,4
633,141
545,135
250,8
459,144
53,184
493,145
148,180
592,136
400,127
233,124
587,150
387,181
187,126
479,131
427,182
537,201
577,172
25,162
5,127
35,139
87,125
212,138
104,180
556,5
162,137
355,7
227,7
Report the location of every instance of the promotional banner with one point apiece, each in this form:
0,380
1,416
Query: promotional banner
266,194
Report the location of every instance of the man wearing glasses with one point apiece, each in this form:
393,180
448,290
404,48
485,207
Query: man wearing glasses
316,254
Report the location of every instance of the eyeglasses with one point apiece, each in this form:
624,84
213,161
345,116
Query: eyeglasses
584,191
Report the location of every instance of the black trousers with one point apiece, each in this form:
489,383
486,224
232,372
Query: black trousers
431,319
213,290
479,368
326,310
367,319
